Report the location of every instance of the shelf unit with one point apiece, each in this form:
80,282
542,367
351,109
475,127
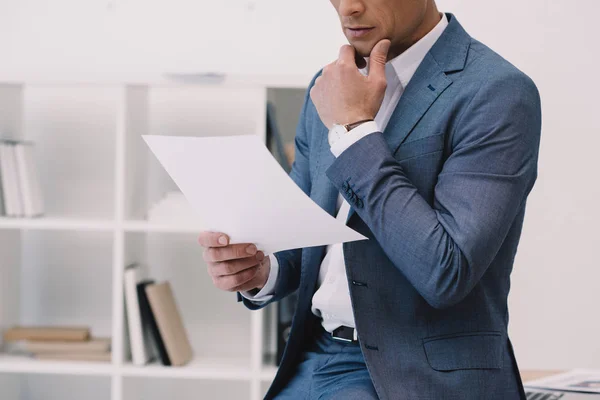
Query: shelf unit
98,179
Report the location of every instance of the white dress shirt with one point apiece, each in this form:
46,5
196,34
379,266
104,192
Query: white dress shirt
332,301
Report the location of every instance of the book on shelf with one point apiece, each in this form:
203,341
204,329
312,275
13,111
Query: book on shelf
10,189
3,181
139,335
94,345
149,322
31,193
169,322
84,356
57,343
162,319
47,333
20,190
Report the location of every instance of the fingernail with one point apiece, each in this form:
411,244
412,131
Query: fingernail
260,256
251,249
223,240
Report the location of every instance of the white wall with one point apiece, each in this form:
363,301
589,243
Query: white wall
140,39
555,299
555,296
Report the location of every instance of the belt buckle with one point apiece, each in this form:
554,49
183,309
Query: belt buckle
353,340
341,339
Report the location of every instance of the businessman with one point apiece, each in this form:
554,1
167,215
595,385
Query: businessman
425,141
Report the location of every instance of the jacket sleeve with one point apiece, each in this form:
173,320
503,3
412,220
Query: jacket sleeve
288,278
445,248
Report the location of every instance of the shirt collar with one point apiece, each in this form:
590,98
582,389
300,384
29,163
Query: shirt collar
405,65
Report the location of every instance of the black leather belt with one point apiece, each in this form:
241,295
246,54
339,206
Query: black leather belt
345,334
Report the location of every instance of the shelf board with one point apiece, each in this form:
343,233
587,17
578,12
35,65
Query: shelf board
24,364
198,368
103,225
146,226
50,223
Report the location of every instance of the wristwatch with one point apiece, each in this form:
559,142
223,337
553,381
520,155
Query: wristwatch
337,130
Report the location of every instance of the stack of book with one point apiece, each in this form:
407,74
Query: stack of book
20,191
57,343
154,323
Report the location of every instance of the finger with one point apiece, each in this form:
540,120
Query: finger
346,56
230,282
232,252
213,239
233,267
251,284
378,58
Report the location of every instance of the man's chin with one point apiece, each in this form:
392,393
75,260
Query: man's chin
362,49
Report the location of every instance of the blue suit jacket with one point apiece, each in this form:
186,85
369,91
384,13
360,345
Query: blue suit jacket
441,196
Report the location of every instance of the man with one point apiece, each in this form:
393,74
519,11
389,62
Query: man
434,166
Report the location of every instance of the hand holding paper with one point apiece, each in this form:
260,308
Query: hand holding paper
236,187
234,267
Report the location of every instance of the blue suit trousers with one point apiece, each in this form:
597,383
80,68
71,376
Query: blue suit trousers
330,369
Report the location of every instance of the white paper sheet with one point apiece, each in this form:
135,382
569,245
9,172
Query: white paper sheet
236,187
578,380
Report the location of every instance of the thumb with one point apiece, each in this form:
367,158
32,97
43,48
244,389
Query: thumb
378,58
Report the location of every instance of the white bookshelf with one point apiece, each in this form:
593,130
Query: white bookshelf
98,179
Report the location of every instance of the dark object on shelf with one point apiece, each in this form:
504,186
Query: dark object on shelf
149,322
274,140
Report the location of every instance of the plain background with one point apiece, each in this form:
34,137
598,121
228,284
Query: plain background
555,294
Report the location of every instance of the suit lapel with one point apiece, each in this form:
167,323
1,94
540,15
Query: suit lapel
448,54
428,83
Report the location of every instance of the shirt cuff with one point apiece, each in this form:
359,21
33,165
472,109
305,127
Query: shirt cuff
353,136
267,292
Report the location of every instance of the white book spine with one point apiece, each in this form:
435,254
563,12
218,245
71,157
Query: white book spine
13,206
34,181
24,181
137,343
3,192
15,180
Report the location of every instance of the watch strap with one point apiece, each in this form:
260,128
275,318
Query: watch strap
353,125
